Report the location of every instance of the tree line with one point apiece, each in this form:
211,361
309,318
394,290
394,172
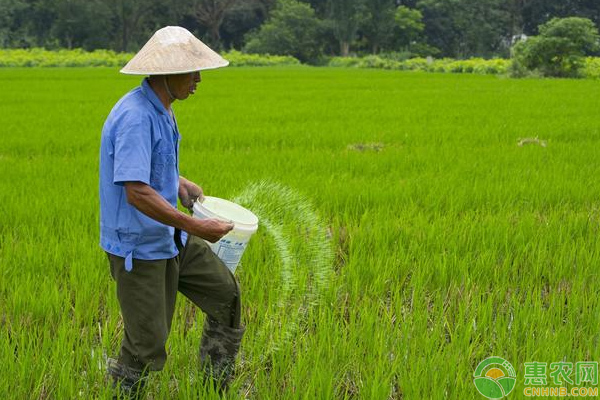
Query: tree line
306,29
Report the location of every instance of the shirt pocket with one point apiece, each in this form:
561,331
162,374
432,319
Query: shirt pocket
163,168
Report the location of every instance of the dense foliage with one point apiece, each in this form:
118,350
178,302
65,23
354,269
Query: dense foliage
473,65
37,57
559,50
292,30
106,58
456,29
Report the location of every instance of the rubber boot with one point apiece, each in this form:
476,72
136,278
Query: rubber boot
128,382
218,348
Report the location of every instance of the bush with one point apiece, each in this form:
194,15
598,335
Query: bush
558,51
418,64
592,68
107,58
37,57
238,59
473,65
396,55
292,30
376,62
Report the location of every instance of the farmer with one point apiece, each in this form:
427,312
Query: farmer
154,250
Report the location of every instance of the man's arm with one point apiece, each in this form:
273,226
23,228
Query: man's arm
152,204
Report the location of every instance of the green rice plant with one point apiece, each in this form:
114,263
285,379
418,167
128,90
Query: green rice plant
405,234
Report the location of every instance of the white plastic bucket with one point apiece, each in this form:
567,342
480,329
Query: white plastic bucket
231,246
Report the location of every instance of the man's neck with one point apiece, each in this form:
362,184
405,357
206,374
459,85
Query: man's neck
157,83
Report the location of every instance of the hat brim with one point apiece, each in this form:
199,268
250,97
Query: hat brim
173,50
133,71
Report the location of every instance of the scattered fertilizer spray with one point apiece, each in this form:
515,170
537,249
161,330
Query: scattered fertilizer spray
304,248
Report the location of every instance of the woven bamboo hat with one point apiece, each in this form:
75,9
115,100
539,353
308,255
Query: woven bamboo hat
173,50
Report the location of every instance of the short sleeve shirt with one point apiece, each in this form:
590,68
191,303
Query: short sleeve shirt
140,142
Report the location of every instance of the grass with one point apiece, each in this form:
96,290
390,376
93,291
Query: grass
449,241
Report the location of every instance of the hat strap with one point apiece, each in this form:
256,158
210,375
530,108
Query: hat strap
171,97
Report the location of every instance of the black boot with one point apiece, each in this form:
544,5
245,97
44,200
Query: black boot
218,347
128,382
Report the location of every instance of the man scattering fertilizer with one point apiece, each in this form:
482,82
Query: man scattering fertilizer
141,229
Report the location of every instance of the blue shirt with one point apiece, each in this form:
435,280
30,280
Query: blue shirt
140,142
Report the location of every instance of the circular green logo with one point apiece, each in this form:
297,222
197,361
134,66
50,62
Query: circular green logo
495,378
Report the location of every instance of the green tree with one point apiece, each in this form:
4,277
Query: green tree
26,23
527,15
378,23
465,28
345,17
320,7
244,17
132,22
292,30
486,25
558,50
10,29
211,14
409,23
81,23
516,21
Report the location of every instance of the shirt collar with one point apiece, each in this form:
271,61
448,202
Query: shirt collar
152,97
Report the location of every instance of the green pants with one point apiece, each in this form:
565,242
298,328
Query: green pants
148,292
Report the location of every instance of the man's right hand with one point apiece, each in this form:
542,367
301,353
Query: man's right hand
210,229
148,201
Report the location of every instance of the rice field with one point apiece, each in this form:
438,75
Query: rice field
412,225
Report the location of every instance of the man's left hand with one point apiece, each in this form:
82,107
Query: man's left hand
189,192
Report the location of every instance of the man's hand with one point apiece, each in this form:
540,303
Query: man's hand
189,192
210,229
152,204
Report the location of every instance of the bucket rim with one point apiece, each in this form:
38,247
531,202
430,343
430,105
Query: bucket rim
245,226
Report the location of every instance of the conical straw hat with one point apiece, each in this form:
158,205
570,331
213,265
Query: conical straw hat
173,50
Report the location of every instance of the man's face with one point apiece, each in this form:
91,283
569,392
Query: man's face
182,85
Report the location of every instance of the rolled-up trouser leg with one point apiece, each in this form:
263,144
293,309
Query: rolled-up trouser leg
147,297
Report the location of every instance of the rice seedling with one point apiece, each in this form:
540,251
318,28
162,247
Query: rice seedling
404,235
